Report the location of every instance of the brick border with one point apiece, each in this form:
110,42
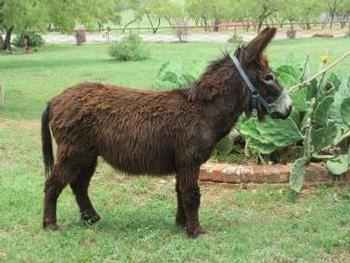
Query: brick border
277,175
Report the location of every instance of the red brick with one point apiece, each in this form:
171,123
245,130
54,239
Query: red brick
258,174
245,173
231,174
285,172
316,172
347,176
204,174
272,174
251,175
216,174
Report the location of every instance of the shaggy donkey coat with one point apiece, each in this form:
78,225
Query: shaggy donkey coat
148,132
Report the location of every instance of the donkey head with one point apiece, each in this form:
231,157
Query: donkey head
265,93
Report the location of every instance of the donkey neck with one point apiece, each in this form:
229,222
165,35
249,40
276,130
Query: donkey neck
223,112
220,95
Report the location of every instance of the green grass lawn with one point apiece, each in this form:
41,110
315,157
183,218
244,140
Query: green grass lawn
137,225
31,80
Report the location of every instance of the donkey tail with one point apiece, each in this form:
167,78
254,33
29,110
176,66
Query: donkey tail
46,141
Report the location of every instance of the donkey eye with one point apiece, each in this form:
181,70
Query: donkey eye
269,77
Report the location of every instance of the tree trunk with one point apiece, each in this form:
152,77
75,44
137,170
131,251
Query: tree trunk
291,24
332,14
205,22
216,24
260,23
169,21
7,42
281,23
150,21
128,24
308,25
22,40
1,42
157,27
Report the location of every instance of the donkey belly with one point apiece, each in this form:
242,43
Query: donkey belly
136,157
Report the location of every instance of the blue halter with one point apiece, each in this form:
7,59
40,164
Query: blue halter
256,96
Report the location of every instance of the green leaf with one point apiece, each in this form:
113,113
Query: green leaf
339,96
345,110
299,100
289,73
264,148
296,179
311,90
325,136
173,75
224,146
270,134
338,165
334,79
321,112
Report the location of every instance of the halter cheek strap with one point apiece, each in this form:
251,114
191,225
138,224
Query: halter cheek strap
256,96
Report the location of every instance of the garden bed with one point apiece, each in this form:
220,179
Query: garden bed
278,175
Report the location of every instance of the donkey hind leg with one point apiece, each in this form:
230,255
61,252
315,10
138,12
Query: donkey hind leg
80,189
180,212
62,173
190,197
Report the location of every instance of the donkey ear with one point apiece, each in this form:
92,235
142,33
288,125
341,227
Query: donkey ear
256,47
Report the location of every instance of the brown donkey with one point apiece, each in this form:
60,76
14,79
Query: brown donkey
149,132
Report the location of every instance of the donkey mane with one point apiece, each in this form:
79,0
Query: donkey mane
209,84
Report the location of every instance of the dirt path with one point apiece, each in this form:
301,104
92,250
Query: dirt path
195,37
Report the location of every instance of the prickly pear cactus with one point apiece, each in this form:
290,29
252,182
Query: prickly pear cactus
338,165
266,136
345,111
296,179
321,112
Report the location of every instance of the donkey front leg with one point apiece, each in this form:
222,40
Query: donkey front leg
190,197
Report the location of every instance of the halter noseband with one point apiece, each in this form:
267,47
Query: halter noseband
256,96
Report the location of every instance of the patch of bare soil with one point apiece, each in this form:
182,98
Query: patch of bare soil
21,124
2,124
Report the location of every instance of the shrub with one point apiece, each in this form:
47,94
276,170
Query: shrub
235,39
129,48
172,75
80,36
32,40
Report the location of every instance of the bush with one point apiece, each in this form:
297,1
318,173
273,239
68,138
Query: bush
129,48
80,36
33,40
172,75
235,39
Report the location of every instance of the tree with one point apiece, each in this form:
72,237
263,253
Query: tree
20,16
259,11
299,10
334,8
155,11
208,12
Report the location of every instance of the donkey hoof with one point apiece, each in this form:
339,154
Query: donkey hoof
90,219
195,232
50,226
